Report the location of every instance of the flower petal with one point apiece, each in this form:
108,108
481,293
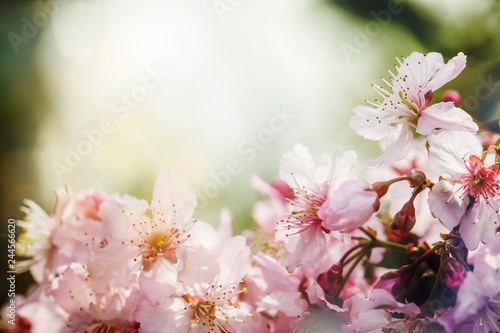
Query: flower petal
370,123
446,205
172,189
479,223
448,149
448,72
446,116
397,145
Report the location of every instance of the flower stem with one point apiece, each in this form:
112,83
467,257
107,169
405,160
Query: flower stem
369,234
361,254
389,245
439,273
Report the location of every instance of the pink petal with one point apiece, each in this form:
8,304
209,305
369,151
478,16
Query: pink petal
160,281
290,303
309,250
172,188
169,317
446,116
349,207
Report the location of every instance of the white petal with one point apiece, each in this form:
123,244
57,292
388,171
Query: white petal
159,282
478,224
397,145
172,188
365,122
448,72
445,205
341,168
297,167
448,149
309,250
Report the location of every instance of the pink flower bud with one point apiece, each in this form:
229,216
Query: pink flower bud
452,96
416,177
404,220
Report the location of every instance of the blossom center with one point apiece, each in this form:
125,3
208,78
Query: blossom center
481,181
306,204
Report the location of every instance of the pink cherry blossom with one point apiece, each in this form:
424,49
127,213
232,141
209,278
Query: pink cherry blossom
418,76
209,296
87,309
143,238
51,241
302,230
469,194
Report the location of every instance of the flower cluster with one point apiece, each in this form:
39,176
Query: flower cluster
408,245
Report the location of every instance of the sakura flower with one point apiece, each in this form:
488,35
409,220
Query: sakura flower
88,310
382,313
143,238
469,194
275,293
478,300
36,243
418,76
319,206
209,298
38,313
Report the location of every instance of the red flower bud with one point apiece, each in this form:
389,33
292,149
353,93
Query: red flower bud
404,220
381,188
331,281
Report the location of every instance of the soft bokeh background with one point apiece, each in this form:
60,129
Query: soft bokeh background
224,70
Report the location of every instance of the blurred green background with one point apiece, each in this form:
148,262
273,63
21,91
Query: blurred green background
224,70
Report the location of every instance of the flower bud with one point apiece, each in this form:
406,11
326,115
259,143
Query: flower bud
331,281
381,188
452,96
404,220
416,177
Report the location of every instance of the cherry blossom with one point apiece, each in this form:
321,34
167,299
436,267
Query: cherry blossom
418,76
468,196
